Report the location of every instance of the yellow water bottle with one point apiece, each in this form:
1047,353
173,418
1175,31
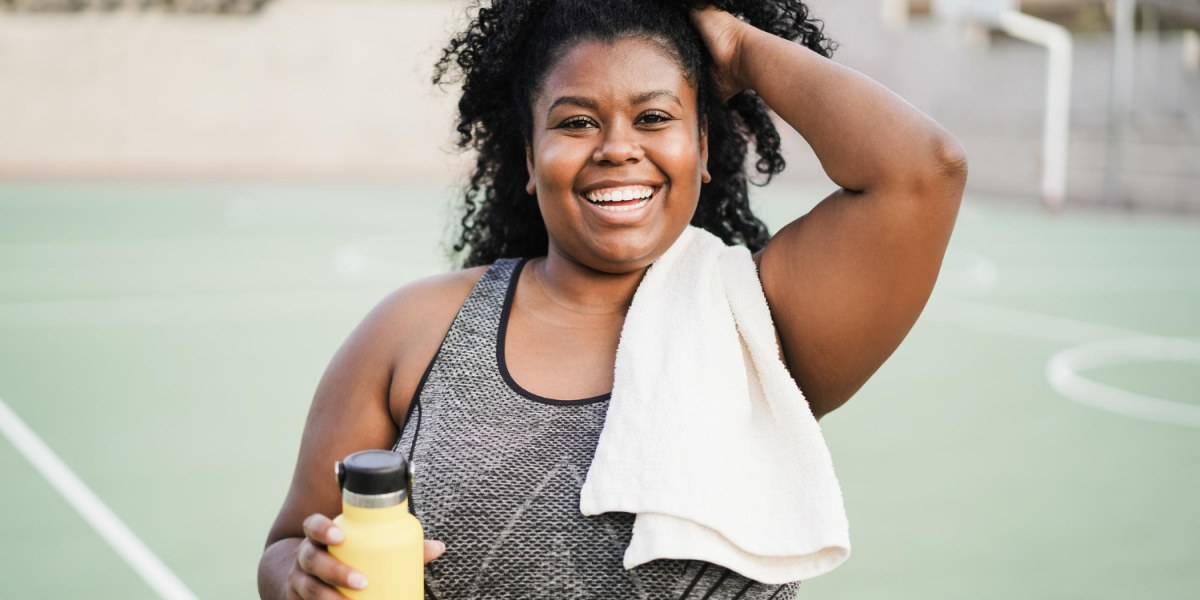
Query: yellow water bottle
383,541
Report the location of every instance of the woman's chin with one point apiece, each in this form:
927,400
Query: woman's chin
624,251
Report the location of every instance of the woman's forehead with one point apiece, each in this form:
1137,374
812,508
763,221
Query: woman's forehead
626,71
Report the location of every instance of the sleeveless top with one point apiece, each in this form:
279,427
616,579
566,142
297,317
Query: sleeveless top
497,475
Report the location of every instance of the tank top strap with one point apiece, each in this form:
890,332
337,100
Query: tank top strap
478,321
468,354
466,361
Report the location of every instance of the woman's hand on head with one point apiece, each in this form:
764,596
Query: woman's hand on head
316,574
723,34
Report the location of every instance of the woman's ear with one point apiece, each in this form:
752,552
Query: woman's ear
705,177
530,186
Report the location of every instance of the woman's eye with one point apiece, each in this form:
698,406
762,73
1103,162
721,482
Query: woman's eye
575,123
654,118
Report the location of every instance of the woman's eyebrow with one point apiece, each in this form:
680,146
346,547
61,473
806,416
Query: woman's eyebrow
652,94
572,101
590,104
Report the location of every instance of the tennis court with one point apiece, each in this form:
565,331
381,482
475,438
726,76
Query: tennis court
1036,436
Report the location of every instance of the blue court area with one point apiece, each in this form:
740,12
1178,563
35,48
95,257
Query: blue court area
1036,436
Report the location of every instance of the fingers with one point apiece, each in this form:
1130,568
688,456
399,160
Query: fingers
305,581
317,572
320,529
322,565
319,569
302,586
701,11
433,550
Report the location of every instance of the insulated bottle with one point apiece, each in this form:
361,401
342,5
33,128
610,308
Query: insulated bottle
383,541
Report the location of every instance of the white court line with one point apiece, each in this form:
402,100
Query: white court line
1024,323
1063,372
981,272
1093,345
91,508
190,308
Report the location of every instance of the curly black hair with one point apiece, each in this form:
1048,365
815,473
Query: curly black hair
509,46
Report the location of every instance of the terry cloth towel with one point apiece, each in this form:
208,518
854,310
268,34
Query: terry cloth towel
707,438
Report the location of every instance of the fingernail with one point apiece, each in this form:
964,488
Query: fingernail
357,581
441,546
335,535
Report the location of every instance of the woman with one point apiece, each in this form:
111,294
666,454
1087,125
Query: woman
603,129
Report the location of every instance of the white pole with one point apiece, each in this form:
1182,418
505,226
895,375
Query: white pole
894,14
1120,96
1057,41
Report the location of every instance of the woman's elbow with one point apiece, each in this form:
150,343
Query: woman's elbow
939,175
951,160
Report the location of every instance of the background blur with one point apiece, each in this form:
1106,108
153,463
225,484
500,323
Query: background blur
199,199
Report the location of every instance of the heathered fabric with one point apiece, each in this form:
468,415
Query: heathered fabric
497,474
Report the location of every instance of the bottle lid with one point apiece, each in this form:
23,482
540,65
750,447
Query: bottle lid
373,472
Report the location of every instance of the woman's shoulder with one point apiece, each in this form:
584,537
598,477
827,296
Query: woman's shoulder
411,322
421,299
409,318
416,313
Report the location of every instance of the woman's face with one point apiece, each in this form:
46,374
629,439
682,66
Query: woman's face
617,156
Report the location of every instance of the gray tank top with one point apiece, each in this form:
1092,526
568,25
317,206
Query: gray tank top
497,475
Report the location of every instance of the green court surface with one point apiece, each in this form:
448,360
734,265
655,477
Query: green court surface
165,340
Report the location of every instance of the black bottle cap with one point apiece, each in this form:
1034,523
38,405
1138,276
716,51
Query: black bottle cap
373,472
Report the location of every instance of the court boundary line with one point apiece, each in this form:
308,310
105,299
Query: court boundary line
1065,371
1090,345
1026,324
89,506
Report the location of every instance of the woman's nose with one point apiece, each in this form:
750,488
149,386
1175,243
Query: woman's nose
618,145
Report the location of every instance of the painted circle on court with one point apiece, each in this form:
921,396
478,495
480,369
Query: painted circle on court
1065,372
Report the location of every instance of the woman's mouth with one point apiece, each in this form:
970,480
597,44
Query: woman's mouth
620,199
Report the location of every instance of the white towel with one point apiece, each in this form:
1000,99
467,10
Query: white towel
707,438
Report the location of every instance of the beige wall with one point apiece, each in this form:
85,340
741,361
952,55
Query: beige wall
340,89
308,88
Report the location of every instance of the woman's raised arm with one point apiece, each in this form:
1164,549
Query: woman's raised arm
847,281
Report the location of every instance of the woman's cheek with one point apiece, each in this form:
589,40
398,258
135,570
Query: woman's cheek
680,155
558,165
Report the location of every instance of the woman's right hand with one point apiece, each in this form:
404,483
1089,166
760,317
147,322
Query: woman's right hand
316,574
722,34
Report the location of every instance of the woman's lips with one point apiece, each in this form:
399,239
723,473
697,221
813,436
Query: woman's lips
621,198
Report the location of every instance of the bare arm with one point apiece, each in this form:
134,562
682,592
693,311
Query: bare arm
847,281
353,409
349,412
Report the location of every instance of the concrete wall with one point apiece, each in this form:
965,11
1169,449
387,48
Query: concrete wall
307,88
340,88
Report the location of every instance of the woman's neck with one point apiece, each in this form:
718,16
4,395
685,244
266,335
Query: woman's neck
577,288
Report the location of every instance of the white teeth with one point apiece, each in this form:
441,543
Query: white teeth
632,192
624,207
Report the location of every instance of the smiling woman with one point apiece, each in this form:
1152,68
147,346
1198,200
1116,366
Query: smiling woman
602,131
503,73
